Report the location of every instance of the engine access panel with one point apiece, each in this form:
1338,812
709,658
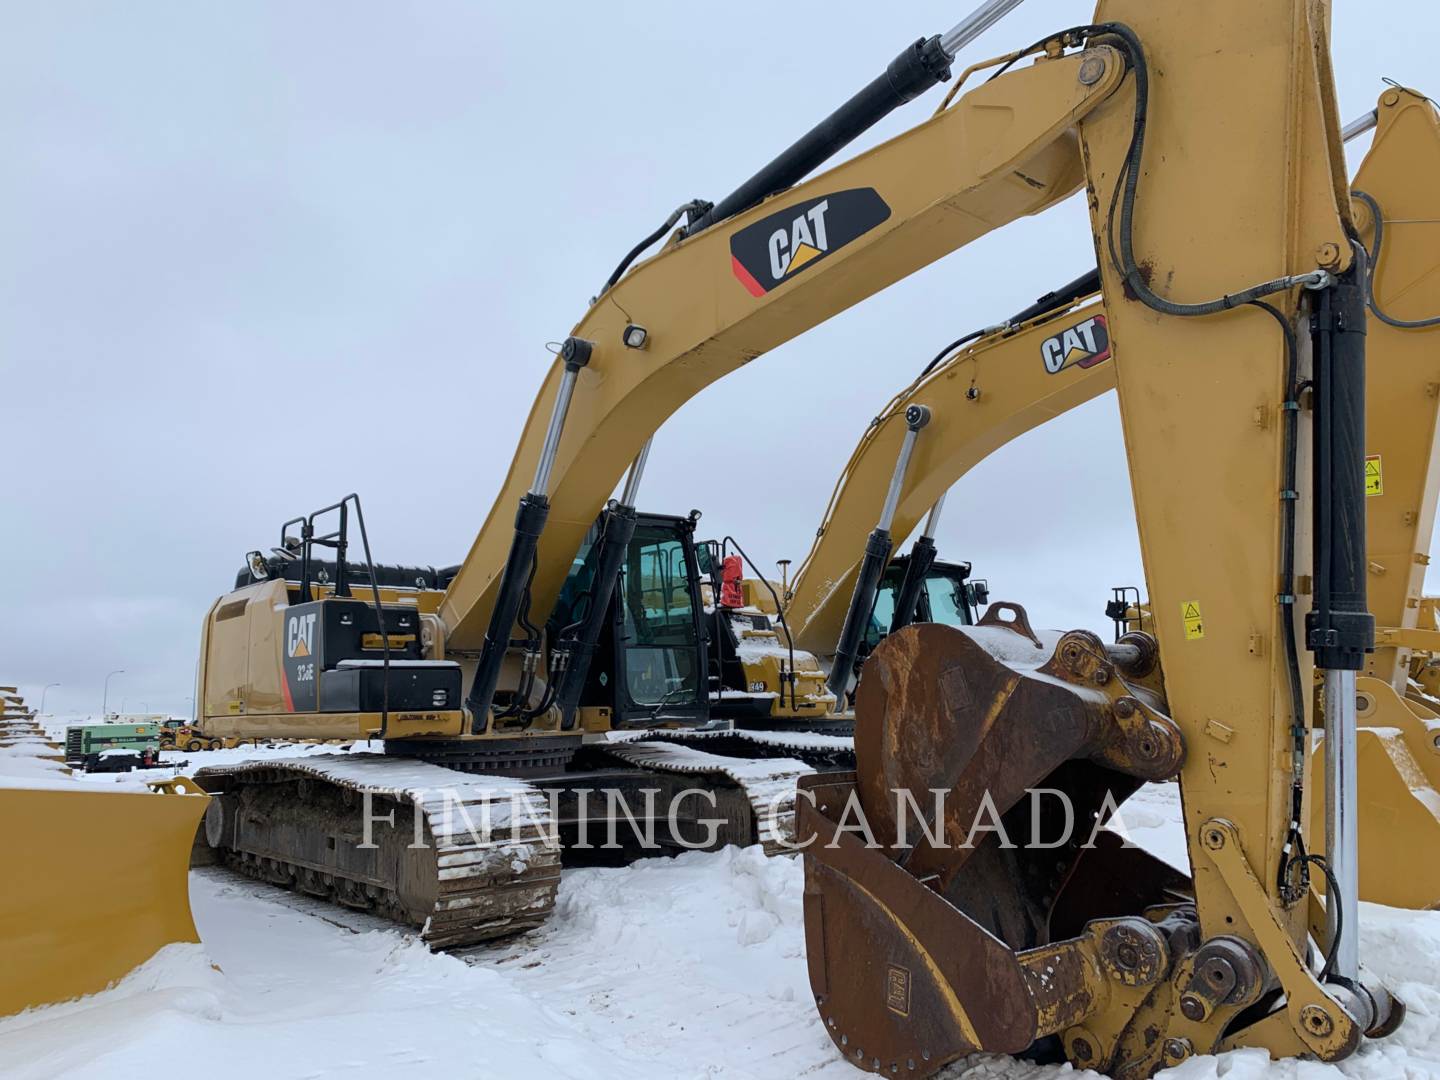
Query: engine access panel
333,657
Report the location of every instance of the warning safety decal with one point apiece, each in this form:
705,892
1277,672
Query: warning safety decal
1374,476
1194,621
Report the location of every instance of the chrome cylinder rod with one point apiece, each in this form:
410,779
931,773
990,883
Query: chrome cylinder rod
1342,842
575,353
932,519
975,24
916,417
631,491
1360,125
551,445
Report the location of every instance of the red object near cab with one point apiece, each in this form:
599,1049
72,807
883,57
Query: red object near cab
731,572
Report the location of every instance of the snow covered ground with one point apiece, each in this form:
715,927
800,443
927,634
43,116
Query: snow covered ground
692,967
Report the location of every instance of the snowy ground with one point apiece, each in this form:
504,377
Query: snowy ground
692,967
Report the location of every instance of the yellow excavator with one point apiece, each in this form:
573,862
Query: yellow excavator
509,677
924,948
1397,747
984,390
1208,145
1108,959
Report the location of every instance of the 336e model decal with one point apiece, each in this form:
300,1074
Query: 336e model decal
1083,345
776,248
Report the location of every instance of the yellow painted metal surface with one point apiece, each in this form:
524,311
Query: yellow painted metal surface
990,393
242,692
336,725
1004,150
1227,204
1398,762
96,883
1249,188
1402,408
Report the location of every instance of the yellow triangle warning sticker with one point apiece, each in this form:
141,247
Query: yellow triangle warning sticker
1194,621
803,254
300,648
1374,476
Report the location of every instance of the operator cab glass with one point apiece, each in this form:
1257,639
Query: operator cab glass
948,594
649,667
949,598
660,620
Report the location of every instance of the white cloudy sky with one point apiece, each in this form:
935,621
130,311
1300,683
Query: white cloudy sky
254,256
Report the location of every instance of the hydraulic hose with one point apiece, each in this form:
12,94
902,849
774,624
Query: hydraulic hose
1124,195
1370,301
693,208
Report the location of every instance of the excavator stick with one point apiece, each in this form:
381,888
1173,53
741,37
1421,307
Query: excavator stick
957,897
105,885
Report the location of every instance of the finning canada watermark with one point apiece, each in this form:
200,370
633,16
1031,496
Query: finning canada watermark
612,819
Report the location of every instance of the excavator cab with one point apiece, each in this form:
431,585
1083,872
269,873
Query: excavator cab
650,663
949,596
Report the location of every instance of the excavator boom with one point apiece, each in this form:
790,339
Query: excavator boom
723,296
998,388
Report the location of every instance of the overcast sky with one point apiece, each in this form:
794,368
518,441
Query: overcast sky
254,256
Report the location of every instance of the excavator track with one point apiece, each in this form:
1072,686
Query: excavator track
825,728
768,785
824,752
463,859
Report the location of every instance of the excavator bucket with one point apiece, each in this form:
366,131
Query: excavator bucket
97,881
960,892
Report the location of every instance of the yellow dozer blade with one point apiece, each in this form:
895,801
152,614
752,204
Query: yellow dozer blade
96,882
